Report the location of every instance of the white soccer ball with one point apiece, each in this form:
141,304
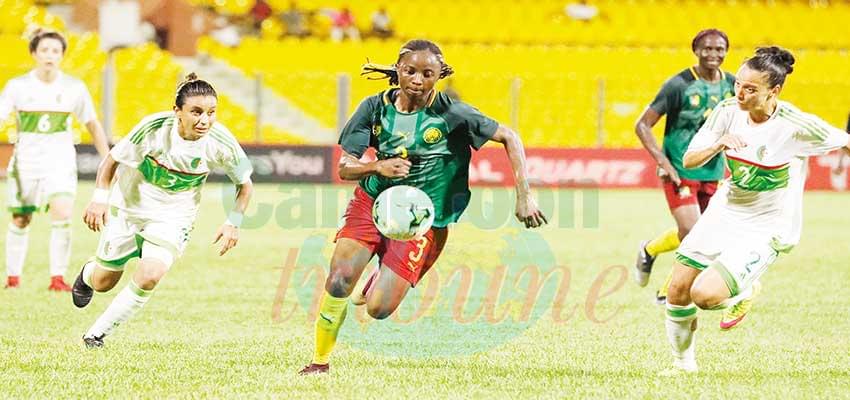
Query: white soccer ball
403,212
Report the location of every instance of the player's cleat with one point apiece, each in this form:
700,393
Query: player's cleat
93,342
13,282
679,368
81,293
660,298
57,284
359,297
643,265
735,314
315,369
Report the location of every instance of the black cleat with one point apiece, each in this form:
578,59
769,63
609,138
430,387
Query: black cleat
643,265
315,369
93,342
81,293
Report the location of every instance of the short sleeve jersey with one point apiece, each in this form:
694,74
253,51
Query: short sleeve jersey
43,111
438,140
688,101
160,175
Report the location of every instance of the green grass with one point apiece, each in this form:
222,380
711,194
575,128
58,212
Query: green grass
209,330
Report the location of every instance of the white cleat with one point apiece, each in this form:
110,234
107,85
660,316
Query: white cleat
680,368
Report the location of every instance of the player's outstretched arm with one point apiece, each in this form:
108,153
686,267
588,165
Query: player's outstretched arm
352,169
697,158
527,210
228,233
101,143
643,129
96,211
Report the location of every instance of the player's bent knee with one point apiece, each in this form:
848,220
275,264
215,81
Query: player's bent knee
379,312
340,283
705,299
21,220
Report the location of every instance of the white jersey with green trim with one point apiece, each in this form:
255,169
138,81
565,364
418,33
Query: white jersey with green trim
767,177
160,175
45,143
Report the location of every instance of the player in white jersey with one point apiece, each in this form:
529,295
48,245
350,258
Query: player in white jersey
160,168
758,214
43,169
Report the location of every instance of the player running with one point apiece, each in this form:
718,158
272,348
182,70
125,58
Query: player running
160,168
423,139
43,169
758,214
687,99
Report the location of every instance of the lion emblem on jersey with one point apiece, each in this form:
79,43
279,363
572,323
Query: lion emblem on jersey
376,129
195,162
432,135
695,100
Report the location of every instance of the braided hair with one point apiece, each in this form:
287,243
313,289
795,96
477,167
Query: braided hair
192,86
705,32
390,72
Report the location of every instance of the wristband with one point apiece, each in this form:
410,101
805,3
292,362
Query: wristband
234,219
100,196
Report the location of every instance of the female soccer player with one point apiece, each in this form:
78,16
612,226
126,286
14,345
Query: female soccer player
758,214
160,168
43,168
423,139
687,99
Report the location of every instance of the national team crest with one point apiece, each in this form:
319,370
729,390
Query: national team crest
695,100
761,153
432,135
195,162
376,129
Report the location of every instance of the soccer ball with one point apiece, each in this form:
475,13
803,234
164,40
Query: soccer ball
403,212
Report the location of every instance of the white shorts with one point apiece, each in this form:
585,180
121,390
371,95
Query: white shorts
26,196
124,238
740,251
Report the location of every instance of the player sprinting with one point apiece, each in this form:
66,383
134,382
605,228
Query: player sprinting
687,99
160,168
423,139
42,172
758,214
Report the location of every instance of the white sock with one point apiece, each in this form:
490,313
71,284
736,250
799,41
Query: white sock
128,302
17,240
734,300
88,271
60,247
680,323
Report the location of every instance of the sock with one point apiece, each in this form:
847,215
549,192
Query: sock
128,302
331,315
734,300
17,240
60,247
667,241
88,271
662,291
681,328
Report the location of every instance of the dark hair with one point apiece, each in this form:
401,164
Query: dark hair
706,32
192,86
389,71
774,60
40,34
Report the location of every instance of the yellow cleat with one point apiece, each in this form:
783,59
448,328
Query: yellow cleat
735,314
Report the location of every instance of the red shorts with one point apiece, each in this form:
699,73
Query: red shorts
689,192
409,260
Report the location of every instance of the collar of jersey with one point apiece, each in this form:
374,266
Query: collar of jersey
391,94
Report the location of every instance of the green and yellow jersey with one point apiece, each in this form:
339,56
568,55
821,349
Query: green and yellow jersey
687,101
437,140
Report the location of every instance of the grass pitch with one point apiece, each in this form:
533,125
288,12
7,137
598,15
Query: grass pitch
224,327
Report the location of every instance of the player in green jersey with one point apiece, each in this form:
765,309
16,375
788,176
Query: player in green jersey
423,139
686,99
